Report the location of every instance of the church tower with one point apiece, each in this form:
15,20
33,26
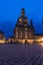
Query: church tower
32,29
22,20
31,25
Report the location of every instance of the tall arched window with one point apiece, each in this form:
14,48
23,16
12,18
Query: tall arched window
16,32
26,33
20,34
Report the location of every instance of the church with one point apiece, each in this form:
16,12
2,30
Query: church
23,31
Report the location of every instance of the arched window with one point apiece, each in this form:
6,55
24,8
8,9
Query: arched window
20,20
20,34
25,32
25,29
16,34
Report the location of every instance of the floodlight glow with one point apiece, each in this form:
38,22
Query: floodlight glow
42,39
42,44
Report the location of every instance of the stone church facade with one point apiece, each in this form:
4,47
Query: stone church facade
23,32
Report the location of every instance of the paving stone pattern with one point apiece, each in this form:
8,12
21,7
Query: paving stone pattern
19,54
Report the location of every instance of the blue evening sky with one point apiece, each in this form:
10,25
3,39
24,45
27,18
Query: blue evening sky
10,10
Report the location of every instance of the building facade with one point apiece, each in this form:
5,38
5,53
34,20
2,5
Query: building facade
2,37
22,30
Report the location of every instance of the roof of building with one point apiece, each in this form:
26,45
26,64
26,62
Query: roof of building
38,34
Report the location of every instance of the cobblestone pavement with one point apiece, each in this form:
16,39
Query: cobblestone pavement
19,54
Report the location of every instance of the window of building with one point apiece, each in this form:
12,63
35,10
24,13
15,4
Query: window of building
20,20
25,29
16,34
30,33
26,34
20,34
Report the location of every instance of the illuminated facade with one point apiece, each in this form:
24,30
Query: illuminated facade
23,31
2,37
